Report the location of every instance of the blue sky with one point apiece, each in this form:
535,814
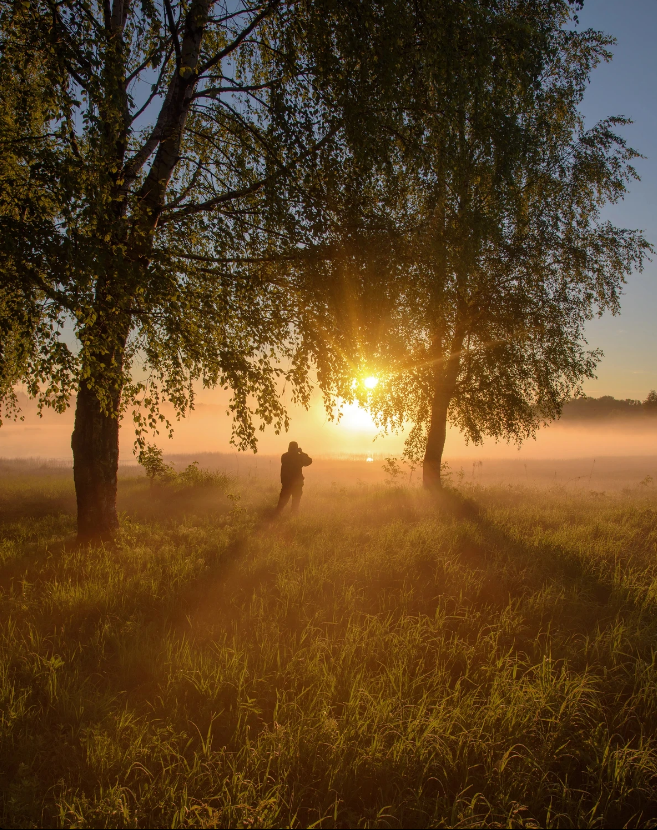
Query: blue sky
628,86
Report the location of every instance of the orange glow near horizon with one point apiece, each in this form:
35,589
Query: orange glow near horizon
207,429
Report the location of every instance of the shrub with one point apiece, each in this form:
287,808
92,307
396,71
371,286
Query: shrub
195,476
152,460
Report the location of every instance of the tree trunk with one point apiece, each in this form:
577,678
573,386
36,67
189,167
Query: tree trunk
95,440
95,444
445,380
433,454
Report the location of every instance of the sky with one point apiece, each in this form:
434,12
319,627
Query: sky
626,86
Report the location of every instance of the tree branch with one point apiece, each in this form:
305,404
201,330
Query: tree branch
185,191
130,78
211,260
137,161
214,91
238,40
174,31
209,204
60,26
155,90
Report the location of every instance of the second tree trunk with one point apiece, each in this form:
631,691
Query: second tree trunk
445,380
95,445
433,455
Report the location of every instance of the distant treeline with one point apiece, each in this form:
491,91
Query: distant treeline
585,409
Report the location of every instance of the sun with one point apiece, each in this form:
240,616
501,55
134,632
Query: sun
370,382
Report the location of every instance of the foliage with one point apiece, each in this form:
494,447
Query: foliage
376,660
650,402
32,190
392,470
172,155
124,250
195,476
168,191
395,470
151,459
467,292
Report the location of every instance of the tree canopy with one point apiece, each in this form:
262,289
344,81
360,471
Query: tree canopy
497,252
152,160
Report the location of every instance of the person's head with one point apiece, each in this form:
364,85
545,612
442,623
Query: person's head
294,447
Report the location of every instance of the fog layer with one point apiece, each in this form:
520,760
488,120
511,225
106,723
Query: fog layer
207,429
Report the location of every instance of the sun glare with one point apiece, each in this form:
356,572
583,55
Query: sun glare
370,382
357,419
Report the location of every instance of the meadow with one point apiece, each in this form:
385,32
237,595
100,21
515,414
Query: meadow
385,659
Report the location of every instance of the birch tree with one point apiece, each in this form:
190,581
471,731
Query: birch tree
469,293
150,152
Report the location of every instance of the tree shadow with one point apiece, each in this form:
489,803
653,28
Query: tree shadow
584,597
28,507
211,597
169,504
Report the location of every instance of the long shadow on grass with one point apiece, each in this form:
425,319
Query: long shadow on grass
581,602
511,568
47,557
584,599
23,506
519,568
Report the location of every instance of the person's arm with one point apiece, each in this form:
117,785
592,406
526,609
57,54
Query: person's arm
306,460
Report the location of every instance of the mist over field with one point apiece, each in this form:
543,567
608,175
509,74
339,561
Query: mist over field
207,430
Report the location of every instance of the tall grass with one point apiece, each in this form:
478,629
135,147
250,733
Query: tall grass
380,661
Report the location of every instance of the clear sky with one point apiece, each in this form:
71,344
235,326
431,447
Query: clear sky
628,86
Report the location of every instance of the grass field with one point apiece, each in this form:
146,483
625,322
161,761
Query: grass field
379,661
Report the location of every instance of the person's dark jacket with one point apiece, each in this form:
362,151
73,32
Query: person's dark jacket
292,464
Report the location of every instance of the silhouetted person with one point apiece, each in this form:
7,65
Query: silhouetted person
292,463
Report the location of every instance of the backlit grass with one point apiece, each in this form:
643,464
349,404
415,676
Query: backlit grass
379,661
